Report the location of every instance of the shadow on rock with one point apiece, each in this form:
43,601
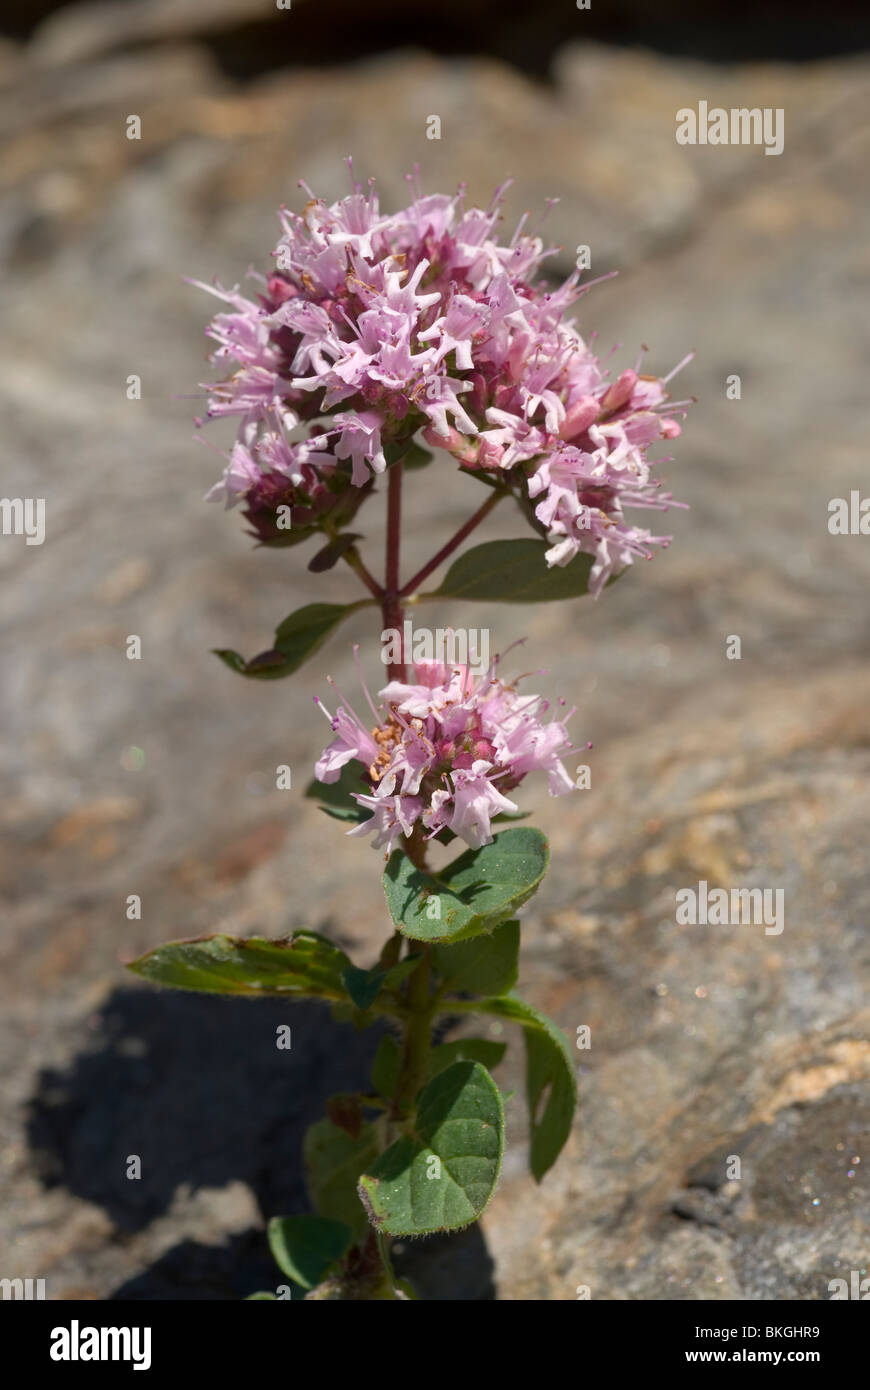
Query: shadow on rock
197,1088
441,1268
194,1271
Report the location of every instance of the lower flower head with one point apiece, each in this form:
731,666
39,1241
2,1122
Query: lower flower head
444,751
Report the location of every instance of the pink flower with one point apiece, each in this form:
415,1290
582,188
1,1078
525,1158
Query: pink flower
360,441
383,325
444,750
244,337
286,489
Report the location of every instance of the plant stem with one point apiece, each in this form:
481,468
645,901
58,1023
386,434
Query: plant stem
421,1003
448,549
353,558
418,1035
391,599
384,1252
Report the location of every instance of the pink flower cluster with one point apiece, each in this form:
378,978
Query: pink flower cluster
443,751
379,326
287,489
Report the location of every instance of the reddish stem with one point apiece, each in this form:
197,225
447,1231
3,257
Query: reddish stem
354,559
391,606
448,549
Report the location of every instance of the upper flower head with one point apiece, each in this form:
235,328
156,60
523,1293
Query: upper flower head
381,325
443,752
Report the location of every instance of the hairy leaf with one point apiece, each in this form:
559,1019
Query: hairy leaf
474,894
306,1247
483,1050
551,1081
487,964
304,965
441,1177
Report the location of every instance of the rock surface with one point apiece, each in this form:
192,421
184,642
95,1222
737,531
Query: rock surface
154,777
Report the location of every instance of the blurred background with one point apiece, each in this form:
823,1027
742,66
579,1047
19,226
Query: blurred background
156,777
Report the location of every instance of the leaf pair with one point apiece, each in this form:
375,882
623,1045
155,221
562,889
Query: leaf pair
473,894
438,1177
498,572
441,1175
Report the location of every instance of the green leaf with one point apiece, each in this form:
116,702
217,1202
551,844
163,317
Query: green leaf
488,964
411,454
482,1050
475,893
363,986
333,1164
416,456
398,972
261,1298
514,572
329,556
386,1067
335,797
459,1122
304,965
306,1247
297,638
395,450
235,663
551,1081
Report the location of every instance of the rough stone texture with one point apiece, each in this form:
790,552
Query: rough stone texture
710,1042
707,1042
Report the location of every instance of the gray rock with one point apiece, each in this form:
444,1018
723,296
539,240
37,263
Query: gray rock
705,1043
78,33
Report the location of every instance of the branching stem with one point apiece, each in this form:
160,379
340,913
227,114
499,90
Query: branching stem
446,550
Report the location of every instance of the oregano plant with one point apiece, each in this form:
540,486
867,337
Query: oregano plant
377,342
